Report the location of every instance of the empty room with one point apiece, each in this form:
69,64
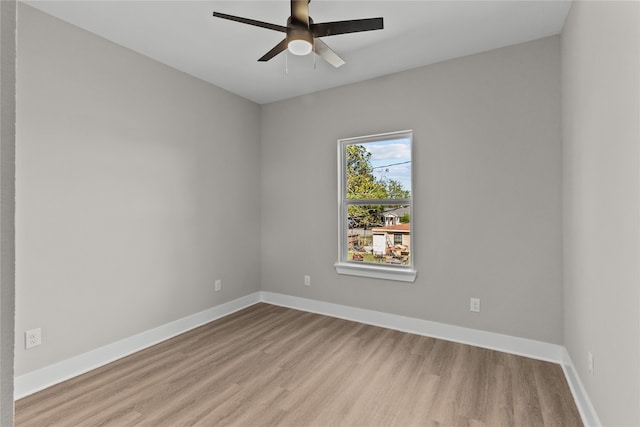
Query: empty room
322,213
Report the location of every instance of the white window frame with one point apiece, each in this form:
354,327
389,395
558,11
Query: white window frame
402,273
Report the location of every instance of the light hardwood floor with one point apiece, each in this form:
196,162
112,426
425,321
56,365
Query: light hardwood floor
268,365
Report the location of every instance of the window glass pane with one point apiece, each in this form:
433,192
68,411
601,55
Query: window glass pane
379,170
379,234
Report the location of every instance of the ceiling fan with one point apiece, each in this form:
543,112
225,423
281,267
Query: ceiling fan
303,35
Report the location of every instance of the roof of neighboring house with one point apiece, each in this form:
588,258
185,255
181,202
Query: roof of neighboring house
397,211
400,227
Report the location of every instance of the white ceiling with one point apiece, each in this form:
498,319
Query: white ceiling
185,35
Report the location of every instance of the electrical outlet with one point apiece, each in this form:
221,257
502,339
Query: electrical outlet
32,338
218,285
474,305
307,280
590,362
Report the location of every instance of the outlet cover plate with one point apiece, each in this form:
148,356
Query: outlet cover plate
32,338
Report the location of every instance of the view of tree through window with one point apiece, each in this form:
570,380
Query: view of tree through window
377,197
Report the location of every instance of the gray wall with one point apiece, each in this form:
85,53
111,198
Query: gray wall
487,164
601,165
7,206
137,185
136,189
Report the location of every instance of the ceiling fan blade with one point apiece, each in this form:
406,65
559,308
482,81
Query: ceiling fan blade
251,22
324,29
325,52
273,52
300,11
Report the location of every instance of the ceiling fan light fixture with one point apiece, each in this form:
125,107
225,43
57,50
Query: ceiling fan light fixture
300,47
299,40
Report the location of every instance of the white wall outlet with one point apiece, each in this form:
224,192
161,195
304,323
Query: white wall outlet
590,362
307,280
474,305
218,285
32,338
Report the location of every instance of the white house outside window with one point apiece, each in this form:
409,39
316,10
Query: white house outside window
375,190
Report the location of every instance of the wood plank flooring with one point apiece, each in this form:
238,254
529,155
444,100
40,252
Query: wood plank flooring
273,366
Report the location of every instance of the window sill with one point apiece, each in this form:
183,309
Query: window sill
400,274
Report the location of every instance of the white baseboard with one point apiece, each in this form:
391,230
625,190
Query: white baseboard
40,379
505,343
50,375
586,409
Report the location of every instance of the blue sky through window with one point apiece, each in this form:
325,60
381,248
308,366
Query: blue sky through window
391,159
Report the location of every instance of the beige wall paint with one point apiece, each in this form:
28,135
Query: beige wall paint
601,165
487,190
7,206
136,189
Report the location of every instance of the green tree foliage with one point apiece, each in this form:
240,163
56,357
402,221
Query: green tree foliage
362,184
395,190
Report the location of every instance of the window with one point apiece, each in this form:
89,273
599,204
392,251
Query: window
375,190
397,239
